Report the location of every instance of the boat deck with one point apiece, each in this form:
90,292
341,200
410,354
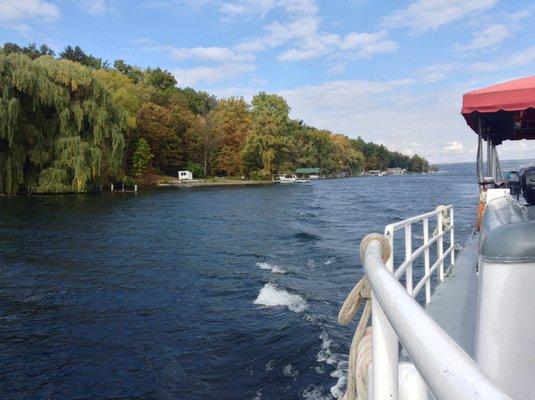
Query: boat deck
454,302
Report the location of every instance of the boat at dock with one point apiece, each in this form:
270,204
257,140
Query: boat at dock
294,179
465,329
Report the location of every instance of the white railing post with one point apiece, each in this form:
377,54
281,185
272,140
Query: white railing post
408,255
448,372
452,237
385,344
426,261
440,246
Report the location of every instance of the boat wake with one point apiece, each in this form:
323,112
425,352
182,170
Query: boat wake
274,269
328,356
272,296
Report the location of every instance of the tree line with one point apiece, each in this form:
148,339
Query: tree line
73,122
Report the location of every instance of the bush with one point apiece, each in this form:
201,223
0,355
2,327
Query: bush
129,182
259,176
195,169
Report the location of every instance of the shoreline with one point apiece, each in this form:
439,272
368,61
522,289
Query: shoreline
203,183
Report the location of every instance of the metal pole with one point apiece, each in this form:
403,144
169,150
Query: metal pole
385,347
489,157
499,173
440,246
479,166
452,237
408,255
426,261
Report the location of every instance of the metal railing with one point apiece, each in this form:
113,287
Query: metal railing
448,372
443,227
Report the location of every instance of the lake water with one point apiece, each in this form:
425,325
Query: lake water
212,293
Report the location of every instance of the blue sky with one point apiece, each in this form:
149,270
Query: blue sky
392,72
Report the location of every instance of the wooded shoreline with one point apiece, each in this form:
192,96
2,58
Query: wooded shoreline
72,123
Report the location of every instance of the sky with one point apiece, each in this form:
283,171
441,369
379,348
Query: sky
392,72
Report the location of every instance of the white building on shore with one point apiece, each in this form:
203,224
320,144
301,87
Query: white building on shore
185,175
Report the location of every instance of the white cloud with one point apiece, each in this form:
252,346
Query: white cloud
357,40
436,72
23,29
13,10
517,59
337,68
96,7
454,147
395,113
260,8
305,39
192,76
308,42
426,15
489,37
202,53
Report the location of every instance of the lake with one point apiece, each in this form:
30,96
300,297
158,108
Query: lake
207,293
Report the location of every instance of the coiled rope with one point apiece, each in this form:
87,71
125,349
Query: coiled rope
361,345
445,219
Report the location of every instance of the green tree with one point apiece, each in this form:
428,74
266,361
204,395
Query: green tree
195,169
160,78
418,164
142,157
232,123
264,149
76,54
60,130
134,73
31,50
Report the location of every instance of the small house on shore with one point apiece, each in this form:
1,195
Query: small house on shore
185,175
311,173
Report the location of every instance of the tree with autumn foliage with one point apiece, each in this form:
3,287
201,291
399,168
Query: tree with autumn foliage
232,125
72,123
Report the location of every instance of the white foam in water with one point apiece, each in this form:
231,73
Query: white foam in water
274,269
290,371
325,354
271,296
315,393
258,395
330,261
338,390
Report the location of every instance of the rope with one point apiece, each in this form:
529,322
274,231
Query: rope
445,219
361,345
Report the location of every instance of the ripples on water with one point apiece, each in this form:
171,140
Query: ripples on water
215,293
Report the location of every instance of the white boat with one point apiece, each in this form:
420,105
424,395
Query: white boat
471,335
284,179
293,179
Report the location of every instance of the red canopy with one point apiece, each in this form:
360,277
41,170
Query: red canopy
506,110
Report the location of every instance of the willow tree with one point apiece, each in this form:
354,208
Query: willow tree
60,130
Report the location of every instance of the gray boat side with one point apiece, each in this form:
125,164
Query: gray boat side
454,302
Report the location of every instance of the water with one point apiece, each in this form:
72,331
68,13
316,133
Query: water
215,293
